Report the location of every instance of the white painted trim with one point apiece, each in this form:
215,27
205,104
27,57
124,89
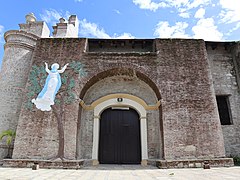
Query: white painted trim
125,103
95,138
144,137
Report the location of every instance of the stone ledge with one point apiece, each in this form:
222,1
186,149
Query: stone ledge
46,164
148,53
194,163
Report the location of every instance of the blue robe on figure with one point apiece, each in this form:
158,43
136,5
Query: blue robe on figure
53,83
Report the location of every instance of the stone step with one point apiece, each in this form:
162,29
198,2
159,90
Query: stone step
46,164
194,163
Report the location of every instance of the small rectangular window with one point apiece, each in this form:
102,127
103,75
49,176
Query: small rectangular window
224,110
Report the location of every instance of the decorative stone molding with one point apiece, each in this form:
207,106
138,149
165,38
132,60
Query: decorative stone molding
30,18
123,96
21,39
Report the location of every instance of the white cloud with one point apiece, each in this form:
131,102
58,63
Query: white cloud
206,29
124,36
52,16
200,13
117,11
230,12
1,30
1,33
78,0
230,4
197,3
164,30
233,29
148,4
88,29
184,15
92,29
180,5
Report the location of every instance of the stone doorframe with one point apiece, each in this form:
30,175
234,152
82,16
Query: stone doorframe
120,101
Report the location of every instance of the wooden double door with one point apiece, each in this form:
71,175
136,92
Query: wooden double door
119,141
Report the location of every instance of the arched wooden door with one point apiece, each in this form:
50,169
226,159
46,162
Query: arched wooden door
119,140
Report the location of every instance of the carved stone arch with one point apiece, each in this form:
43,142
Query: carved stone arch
88,115
120,71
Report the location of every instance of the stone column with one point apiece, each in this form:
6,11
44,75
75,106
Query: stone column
95,140
143,125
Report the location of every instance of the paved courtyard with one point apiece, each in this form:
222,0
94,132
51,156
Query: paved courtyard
123,172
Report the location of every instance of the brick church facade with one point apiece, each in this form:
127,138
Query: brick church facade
174,102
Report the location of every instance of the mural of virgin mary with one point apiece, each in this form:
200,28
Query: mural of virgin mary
53,83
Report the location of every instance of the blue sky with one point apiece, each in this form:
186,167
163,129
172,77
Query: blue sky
211,20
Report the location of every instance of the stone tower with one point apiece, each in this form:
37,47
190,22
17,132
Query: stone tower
16,63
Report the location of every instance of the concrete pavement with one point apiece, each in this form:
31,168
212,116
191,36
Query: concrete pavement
121,172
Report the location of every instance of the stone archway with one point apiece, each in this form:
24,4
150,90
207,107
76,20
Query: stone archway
124,72
111,101
108,86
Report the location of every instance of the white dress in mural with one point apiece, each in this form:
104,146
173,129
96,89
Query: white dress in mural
53,83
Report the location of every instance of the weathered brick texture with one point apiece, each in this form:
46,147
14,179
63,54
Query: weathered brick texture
14,74
178,73
221,57
190,118
37,135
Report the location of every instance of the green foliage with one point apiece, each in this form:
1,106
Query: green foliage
9,134
236,160
64,78
37,79
71,96
71,83
57,101
78,68
28,105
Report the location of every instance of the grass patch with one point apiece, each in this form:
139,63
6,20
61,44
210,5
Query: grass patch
236,160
